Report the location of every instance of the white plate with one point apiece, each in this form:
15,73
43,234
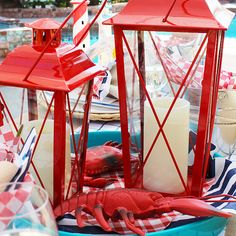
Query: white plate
107,106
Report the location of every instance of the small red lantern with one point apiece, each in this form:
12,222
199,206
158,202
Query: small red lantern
46,65
168,73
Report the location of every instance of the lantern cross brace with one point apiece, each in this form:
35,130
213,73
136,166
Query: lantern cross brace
166,70
8,112
70,111
85,124
77,101
37,141
80,143
173,102
156,117
45,99
42,126
40,133
22,141
194,70
74,143
80,158
186,75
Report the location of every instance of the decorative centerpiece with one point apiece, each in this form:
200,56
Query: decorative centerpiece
135,188
157,128
46,66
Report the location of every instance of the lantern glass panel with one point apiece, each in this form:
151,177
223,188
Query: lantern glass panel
31,108
171,65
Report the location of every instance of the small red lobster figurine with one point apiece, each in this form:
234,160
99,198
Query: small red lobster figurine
101,159
131,204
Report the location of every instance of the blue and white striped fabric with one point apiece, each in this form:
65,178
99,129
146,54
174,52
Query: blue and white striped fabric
24,158
225,183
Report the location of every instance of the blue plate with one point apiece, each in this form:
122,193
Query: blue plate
96,138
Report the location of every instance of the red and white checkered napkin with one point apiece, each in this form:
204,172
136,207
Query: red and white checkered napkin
178,67
101,86
8,144
148,225
12,201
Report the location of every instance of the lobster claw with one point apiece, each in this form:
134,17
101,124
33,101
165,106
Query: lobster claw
195,207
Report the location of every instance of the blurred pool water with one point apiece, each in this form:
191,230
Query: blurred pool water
231,32
6,25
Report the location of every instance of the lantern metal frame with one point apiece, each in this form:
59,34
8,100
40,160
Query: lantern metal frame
170,16
74,69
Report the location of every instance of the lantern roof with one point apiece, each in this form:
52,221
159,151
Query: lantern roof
55,71
44,23
192,15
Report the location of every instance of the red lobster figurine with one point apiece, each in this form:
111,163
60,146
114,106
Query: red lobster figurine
102,159
131,204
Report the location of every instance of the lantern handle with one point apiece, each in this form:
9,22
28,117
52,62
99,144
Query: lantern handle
169,11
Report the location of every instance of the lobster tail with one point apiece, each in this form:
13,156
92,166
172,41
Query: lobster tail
196,207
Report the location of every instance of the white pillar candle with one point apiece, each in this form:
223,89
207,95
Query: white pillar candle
43,157
160,173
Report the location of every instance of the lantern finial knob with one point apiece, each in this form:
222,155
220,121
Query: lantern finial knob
43,30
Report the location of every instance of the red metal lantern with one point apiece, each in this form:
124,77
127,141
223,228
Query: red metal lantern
163,88
46,65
